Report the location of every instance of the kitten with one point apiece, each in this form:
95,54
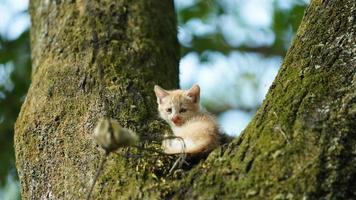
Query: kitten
181,110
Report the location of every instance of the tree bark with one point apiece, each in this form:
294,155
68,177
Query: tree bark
91,59
301,144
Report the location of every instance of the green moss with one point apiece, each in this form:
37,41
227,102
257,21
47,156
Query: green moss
65,100
295,147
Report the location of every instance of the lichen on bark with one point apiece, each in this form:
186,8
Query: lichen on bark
299,145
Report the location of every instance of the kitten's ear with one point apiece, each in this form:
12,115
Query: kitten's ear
160,93
194,93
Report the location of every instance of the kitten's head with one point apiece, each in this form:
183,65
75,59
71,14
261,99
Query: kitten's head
177,106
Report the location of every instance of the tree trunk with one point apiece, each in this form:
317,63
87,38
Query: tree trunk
301,144
91,59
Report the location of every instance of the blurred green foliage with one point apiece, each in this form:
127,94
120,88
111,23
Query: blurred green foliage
285,22
210,27
15,57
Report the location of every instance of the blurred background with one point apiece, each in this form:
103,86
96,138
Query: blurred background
231,48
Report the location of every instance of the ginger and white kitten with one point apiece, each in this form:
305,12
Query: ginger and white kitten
181,110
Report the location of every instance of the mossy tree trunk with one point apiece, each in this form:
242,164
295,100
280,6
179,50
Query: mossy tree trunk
300,145
90,59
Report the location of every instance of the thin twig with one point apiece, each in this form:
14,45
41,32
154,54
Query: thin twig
174,165
101,165
181,160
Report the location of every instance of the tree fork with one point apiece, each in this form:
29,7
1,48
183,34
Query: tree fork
300,144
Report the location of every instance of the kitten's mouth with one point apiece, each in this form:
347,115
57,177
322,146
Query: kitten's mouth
177,122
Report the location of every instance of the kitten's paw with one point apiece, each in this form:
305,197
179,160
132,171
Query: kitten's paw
168,151
165,143
166,146
172,146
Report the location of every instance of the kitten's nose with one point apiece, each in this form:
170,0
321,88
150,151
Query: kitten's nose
175,119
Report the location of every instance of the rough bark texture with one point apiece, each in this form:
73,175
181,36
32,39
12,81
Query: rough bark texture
132,45
300,145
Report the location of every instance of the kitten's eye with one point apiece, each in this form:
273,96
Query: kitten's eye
183,110
169,110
